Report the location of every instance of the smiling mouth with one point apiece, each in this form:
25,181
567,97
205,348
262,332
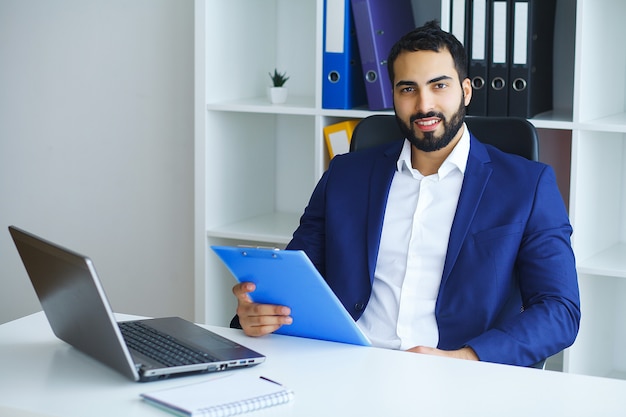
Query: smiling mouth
428,124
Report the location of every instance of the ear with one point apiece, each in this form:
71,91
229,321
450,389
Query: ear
466,85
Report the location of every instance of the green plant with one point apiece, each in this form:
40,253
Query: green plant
278,79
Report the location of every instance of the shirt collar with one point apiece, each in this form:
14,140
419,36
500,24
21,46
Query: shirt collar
456,160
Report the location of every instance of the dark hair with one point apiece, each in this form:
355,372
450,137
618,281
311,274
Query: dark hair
429,37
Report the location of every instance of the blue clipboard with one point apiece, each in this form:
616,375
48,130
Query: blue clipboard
289,278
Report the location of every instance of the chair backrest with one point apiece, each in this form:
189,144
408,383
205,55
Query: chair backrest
509,134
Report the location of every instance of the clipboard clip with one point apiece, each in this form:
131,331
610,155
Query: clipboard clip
271,249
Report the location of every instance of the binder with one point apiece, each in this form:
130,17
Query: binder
446,10
342,85
478,55
379,25
338,137
532,36
459,20
498,86
427,10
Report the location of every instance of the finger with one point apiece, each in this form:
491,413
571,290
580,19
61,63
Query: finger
242,290
262,319
259,314
266,326
423,350
260,326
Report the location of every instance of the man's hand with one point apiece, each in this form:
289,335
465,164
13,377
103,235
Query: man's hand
463,353
258,319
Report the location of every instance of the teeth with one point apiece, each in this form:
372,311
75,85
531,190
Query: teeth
427,123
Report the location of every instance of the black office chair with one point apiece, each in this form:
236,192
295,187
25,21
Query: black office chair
509,134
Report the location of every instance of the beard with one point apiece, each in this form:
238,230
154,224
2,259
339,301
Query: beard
430,142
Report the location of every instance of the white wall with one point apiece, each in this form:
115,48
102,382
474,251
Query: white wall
96,145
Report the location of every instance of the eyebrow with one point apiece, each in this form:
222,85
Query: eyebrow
432,81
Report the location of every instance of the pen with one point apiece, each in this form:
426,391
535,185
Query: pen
272,381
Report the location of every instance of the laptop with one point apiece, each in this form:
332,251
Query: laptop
289,278
79,313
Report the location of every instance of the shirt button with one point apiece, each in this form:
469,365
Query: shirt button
359,306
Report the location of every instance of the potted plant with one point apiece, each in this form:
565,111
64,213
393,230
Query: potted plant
278,91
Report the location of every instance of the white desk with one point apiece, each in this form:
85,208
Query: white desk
41,375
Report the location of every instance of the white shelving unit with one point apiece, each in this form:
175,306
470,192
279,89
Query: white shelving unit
257,163
598,191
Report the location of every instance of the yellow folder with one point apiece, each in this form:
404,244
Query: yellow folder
338,136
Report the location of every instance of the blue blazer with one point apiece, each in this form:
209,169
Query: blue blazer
509,287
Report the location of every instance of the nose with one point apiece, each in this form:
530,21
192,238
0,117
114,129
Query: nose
424,101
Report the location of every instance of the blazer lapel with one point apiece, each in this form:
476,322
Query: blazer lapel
477,174
379,183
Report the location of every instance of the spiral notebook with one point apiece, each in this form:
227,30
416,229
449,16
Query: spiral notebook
226,395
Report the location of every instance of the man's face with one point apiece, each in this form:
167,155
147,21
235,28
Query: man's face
428,98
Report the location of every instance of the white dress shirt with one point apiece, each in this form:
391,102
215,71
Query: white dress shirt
413,246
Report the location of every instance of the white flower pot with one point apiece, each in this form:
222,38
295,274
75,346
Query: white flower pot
277,95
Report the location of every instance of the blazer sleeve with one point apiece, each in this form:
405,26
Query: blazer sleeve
546,271
310,235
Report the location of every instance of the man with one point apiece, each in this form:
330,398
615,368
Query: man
440,244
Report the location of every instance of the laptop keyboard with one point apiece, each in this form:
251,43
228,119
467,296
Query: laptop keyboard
159,346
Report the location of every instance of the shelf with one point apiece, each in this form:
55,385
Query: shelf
357,113
559,120
615,123
306,106
272,228
611,262
294,105
554,119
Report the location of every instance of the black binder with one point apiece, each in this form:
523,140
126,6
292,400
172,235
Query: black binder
477,46
531,54
499,34
460,20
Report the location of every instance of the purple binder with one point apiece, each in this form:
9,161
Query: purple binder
379,25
